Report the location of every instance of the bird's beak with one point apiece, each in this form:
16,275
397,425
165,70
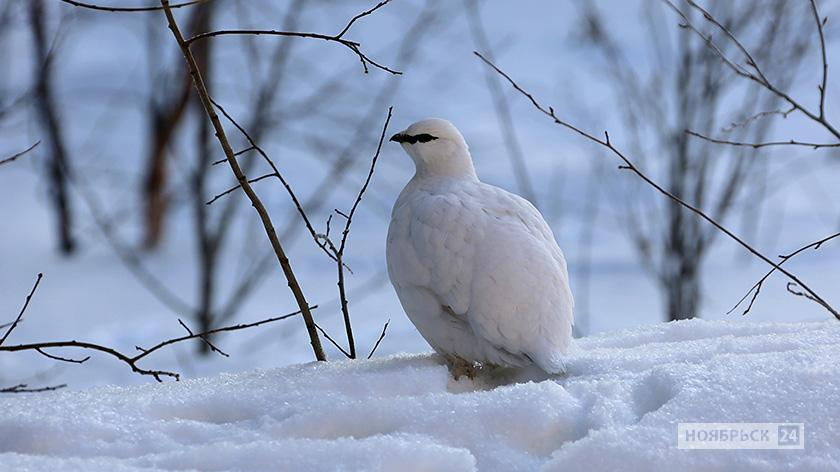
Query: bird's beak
398,138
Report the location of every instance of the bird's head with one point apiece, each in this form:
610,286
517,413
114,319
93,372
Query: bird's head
437,148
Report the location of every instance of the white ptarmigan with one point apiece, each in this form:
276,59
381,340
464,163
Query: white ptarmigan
476,268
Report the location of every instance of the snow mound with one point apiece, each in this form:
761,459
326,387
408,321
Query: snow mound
617,408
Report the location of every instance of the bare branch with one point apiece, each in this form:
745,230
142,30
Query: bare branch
201,89
128,9
233,189
23,388
62,359
381,337
132,361
349,216
824,59
790,142
791,288
756,288
360,15
22,310
204,339
354,46
750,119
631,167
333,342
13,157
276,172
339,253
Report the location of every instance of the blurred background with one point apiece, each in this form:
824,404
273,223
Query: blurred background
110,205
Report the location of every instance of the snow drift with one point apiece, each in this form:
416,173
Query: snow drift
616,409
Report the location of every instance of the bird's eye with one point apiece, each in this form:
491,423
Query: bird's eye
424,138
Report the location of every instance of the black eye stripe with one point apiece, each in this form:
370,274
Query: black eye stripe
418,138
424,138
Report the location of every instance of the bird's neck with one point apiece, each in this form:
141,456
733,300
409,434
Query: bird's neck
458,165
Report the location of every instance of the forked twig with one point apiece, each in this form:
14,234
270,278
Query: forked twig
756,288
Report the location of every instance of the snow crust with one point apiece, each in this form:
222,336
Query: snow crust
616,409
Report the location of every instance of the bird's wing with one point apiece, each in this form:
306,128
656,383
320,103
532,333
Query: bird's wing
525,221
431,245
521,300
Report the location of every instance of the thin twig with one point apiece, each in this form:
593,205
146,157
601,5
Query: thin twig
824,59
799,293
750,119
381,336
203,338
790,142
360,15
62,359
339,253
22,310
23,388
333,341
371,170
628,165
338,38
128,9
258,205
756,288
233,189
276,172
15,156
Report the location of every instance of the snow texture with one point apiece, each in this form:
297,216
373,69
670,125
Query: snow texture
476,268
616,409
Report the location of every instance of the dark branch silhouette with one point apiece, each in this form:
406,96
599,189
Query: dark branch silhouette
338,252
791,142
24,388
132,360
14,324
354,46
92,6
756,288
14,157
378,341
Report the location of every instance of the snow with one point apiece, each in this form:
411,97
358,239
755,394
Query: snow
617,408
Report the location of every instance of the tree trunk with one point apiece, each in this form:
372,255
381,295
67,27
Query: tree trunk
165,118
58,168
682,292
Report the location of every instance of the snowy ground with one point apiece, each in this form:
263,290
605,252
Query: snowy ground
617,409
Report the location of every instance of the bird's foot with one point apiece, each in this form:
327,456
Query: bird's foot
459,367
